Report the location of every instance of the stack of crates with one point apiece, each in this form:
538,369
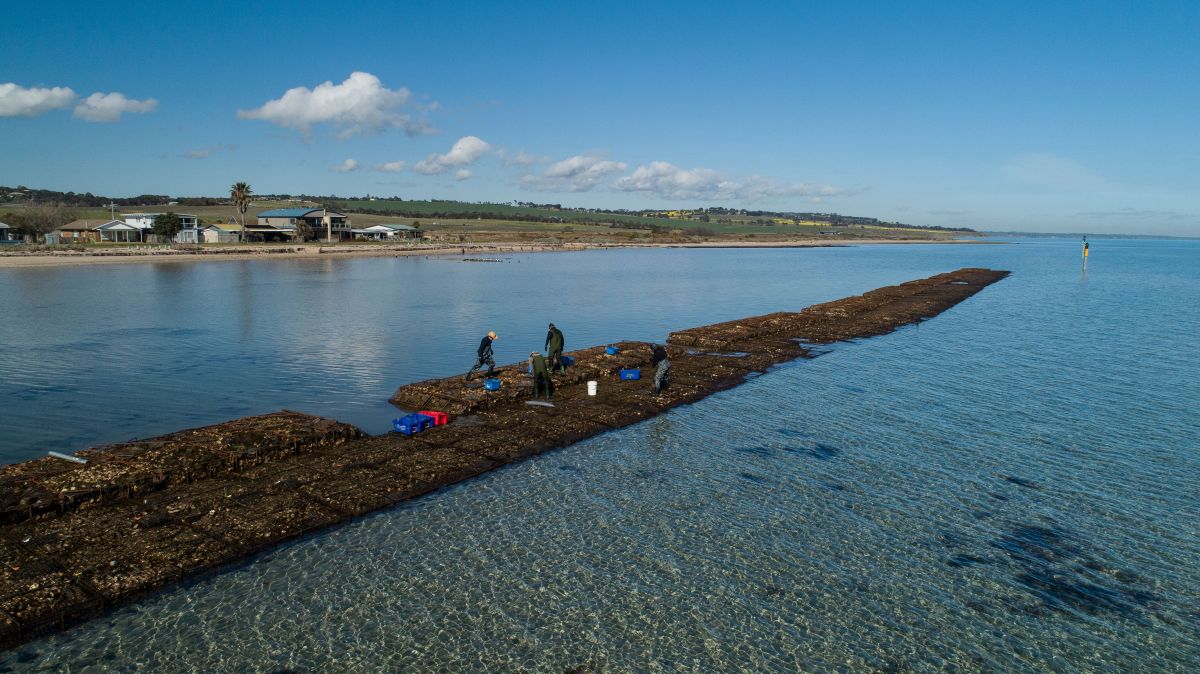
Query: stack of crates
412,423
439,418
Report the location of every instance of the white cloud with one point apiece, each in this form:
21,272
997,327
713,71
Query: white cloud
465,152
109,107
17,101
665,180
345,167
462,174
573,174
361,104
392,167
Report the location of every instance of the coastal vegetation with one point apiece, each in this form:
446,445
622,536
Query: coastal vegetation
239,194
34,212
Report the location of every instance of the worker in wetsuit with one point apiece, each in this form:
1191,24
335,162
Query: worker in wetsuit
554,348
484,356
661,364
541,376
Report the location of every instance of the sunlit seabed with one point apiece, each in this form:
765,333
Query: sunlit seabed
1011,486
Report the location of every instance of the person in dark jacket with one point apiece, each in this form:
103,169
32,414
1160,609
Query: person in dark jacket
541,376
554,348
484,356
662,364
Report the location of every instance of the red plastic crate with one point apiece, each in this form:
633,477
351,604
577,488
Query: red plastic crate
439,418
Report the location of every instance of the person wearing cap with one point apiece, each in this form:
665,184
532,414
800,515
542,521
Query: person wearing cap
554,348
541,376
485,355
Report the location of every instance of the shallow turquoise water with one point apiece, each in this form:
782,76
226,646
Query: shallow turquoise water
1011,486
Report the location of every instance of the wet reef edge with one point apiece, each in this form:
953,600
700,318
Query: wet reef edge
79,539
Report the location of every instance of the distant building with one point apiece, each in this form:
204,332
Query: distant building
221,232
384,232
76,231
189,233
321,223
118,231
6,234
96,231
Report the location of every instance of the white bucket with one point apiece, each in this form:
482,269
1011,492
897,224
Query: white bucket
592,386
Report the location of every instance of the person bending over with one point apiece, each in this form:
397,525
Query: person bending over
554,348
662,364
541,376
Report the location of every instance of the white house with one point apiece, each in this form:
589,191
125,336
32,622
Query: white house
382,232
118,231
145,222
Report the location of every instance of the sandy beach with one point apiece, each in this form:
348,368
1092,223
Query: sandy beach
309,251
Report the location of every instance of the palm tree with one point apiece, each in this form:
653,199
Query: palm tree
240,194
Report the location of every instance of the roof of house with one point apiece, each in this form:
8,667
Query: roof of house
294,212
404,228
116,224
4,226
225,226
80,225
287,212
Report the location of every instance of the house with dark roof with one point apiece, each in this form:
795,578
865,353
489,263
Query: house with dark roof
95,231
307,223
76,231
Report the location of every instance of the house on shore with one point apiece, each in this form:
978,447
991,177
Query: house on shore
97,231
389,232
306,223
7,235
190,232
119,231
221,232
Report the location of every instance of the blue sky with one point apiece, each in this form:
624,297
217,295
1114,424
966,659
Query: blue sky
1011,115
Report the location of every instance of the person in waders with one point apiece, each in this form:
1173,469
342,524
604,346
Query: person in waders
554,348
661,364
484,356
541,376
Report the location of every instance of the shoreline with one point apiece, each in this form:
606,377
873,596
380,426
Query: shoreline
16,260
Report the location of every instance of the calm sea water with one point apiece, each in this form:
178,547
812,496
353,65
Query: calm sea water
1011,486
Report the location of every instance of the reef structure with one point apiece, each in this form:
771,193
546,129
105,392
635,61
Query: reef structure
77,539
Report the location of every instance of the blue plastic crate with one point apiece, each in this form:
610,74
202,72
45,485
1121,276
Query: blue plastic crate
412,423
631,374
491,384
567,360
611,350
